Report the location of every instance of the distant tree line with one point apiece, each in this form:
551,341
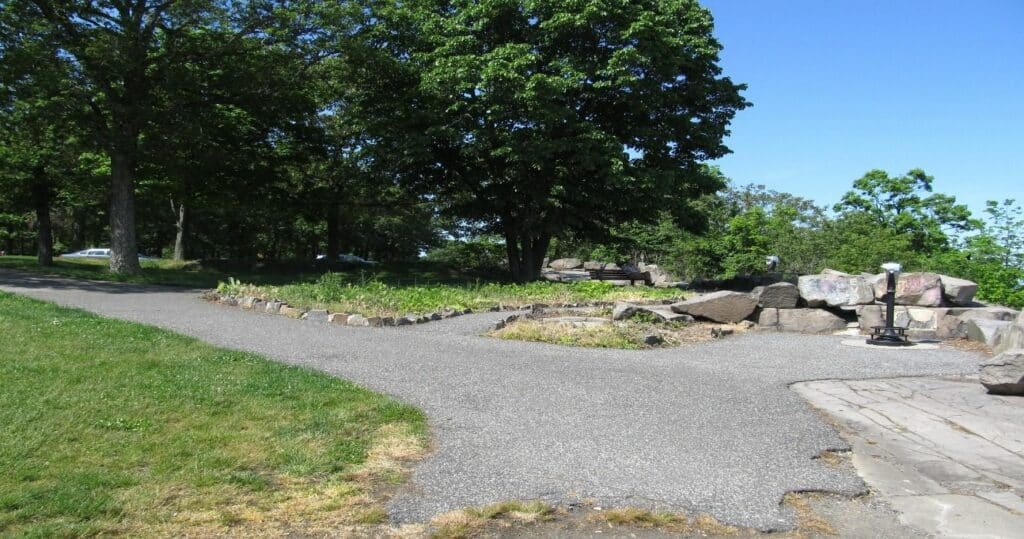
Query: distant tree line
882,219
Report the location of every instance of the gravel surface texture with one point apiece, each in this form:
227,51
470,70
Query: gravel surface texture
708,428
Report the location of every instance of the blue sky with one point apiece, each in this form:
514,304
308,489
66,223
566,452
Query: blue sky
842,86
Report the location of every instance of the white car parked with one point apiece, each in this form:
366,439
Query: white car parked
97,253
348,259
89,253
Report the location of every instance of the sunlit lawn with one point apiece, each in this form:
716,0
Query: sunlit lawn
109,427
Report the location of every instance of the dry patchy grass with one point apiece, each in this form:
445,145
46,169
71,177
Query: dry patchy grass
627,335
808,522
669,522
471,521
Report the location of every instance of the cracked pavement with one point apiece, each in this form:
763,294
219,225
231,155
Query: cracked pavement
709,428
944,453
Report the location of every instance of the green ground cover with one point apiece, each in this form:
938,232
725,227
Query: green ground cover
208,274
338,293
165,272
109,427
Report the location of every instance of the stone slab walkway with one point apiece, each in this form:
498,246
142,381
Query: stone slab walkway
711,428
943,452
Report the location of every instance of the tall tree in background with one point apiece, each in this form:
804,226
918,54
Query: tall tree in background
906,205
536,118
117,55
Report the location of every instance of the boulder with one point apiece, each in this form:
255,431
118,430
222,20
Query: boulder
986,331
273,307
291,312
958,291
316,315
656,274
593,265
777,296
566,276
818,321
920,289
622,311
834,289
338,318
357,320
723,306
1004,374
664,313
561,264
961,315
248,302
768,318
1009,338
653,340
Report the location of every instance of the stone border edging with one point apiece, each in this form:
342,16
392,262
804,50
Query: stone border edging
279,307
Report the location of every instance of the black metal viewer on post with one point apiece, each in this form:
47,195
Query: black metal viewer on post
889,334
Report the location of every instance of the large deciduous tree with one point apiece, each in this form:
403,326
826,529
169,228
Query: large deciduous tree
537,118
906,205
117,55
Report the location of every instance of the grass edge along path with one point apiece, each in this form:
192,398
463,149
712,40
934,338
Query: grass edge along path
337,293
110,427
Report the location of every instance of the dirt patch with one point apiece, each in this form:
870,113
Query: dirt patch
968,346
597,330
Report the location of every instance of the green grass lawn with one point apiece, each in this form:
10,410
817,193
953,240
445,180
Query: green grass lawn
109,427
338,293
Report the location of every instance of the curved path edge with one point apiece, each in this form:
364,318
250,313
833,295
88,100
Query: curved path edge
710,428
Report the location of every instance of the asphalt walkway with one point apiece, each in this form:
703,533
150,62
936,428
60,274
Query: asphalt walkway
711,428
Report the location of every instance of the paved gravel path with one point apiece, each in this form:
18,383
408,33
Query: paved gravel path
708,428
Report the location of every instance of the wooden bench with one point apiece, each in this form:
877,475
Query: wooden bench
620,275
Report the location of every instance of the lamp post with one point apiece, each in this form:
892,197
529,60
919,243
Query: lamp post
889,334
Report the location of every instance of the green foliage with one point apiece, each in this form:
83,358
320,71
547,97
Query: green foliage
340,293
906,205
115,428
485,255
517,115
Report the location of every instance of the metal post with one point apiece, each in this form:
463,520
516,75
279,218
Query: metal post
889,334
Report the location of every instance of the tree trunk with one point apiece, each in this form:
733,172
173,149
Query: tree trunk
181,227
44,230
332,233
525,254
77,229
124,251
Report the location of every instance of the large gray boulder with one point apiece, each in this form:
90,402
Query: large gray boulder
1004,374
834,289
959,316
958,291
724,306
777,296
664,313
819,321
565,276
656,274
1010,338
920,289
623,311
561,264
986,331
